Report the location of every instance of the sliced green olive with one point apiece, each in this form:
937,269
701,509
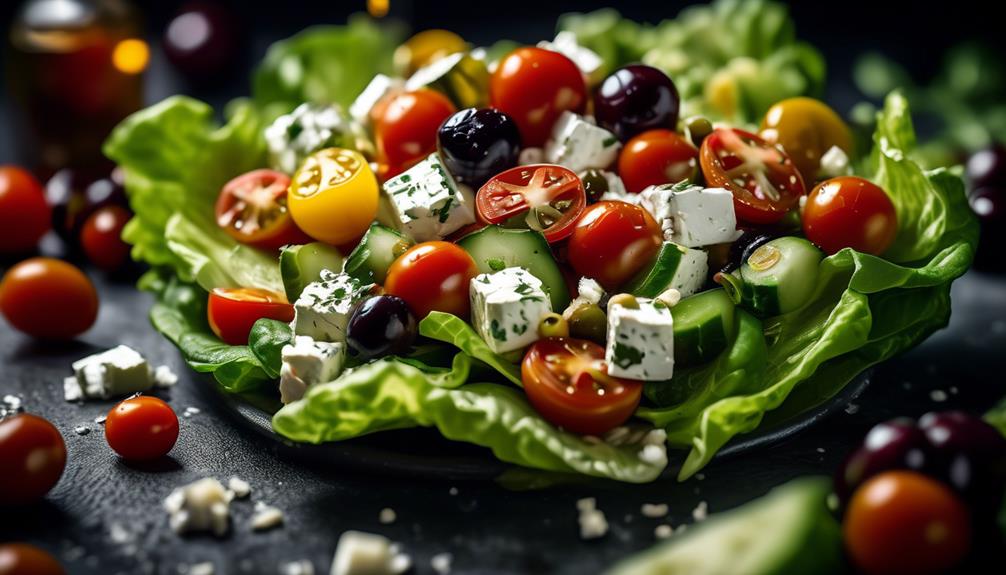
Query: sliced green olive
553,325
587,321
625,300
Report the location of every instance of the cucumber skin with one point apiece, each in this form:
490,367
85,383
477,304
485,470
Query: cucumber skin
292,269
762,300
766,299
694,345
359,264
655,278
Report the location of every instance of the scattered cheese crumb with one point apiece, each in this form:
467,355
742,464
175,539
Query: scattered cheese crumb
202,505
586,504
82,430
387,516
593,523
655,510
663,531
11,405
190,411
701,511
441,563
360,553
302,567
852,409
205,568
453,491
164,377
239,487
653,454
938,395
266,517
820,450
100,420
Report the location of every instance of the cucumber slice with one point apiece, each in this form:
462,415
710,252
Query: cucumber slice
675,266
371,258
702,326
780,276
788,531
301,265
463,79
494,248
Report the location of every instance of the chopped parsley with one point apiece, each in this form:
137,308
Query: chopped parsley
498,333
495,264
626,355
608,142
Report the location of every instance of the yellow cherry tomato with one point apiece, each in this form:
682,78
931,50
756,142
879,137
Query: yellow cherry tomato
333,196
806,128
426,47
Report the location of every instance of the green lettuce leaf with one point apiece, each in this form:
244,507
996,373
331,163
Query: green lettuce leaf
266,341
391,394
457,332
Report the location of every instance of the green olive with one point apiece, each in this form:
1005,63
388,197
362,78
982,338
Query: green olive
587,321
697,128
625,300
594,185
553,325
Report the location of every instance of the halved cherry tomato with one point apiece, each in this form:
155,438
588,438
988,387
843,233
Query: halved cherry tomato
850,212
432,276
904,522
406,131
567,382
534,86
552,196
334,196
141,428
252,209
24,213
33,456
657,157
101,237
762,178
24,559
806,128
48,299
233,311
612,241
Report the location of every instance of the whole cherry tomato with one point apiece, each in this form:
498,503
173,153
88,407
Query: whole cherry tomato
406,131
24,213
33,456
24,559
612,241
141,428
657,157
101,237
806,128
432,276
48,299
849,211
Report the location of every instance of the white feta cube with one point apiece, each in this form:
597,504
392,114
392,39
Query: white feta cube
695,216
360,553
427,203
309,128
323,308
834,163
578,144
378,88
506,308
203,505
657,201
690,274
308,362
585,59
640,341
113,373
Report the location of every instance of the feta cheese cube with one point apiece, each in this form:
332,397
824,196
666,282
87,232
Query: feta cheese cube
116,372
657,201
360,553
834,163
695,216
506,308
427,203
309,128
306,363
585,59
378,88
690,275
322,310
640,341
578,144
203,505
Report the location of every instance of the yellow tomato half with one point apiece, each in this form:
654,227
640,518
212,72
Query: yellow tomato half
333,196
425,48
806,128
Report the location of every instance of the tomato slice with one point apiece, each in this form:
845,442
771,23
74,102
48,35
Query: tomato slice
552,196
764,181
233,311
567,382
252,209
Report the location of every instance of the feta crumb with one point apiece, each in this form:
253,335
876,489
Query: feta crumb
387,516
302,567
441,563
834,163
852,409
359,553
586,504
663,531
590,290
266,517
701,511
239,487
100,420
71,389
82,430
205,568
670,296
164,377
202,505
820,450
116,372
453,491
938,395
593,524
654,510
190,411
653,454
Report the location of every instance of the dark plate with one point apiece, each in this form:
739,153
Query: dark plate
423,452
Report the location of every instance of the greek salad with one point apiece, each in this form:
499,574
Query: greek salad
544,250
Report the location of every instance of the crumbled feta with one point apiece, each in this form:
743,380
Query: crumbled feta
834,163
506,308
578,144
323,308
590,290
669,296
655,455
441,563
427,202
239,487
164,377
378,88
266,517
309,128
663,531
11,405
302,567
640,341
528,156
654,510
387,516
588,61
203,505
118,371
593,523
308,362
360,553
204,568
701,511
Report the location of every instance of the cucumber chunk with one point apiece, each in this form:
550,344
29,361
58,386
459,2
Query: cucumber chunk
371,258
302,264
675,266
702,327
494,248
780,276
788,531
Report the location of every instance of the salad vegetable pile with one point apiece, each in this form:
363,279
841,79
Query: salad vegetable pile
551,251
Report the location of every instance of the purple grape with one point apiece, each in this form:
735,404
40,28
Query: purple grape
634,99
894,444
987,167
968,454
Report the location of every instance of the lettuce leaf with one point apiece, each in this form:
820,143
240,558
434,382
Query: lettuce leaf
456,331
391,394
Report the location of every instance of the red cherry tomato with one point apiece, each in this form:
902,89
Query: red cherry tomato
534,86
141,428
552,197
657,157
48,299
406,131
612,241
24,559
902,522
233,311
252,209
24,213
33,456
101,237
432,276
567,382
850,212
762,178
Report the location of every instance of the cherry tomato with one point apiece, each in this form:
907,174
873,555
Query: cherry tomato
233,311
334,196
432,276
806,128
762,178
534,86
24,559
657,157
612,241
101,237
24,213
48,299
252,209
406,131
141,428
567,382
552,196
850,212
33,456
902,522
